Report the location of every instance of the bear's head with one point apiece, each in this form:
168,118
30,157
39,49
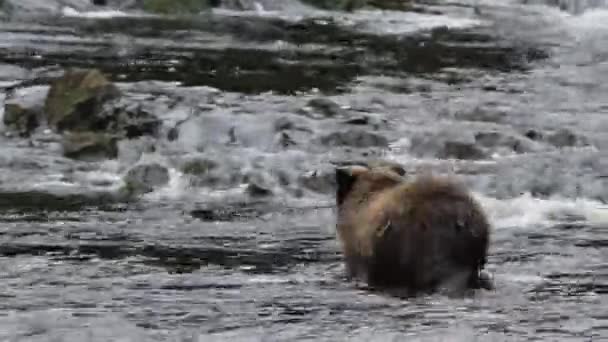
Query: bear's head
355,183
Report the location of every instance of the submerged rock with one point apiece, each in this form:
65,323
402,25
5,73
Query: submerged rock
177,6
559,138
325,107
461,150
442,145
76,99
199,166
90,146
565,138
255,189
354,138
23,109
145,178
258,185
497,140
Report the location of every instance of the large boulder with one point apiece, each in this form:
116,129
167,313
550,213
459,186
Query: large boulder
76,99
86,101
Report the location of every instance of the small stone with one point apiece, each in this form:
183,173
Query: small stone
283,124
354,138
199,166
257,190
145,178
565,138
285,140
461,150
325,108
90,146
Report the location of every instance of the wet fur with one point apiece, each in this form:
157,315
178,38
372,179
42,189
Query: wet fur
420,235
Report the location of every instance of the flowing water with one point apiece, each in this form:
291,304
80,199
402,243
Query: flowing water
517,86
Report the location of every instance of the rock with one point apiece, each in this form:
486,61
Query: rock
461,150
128,118
483,115
258,190
283,124
327,108
496,140
362,121
145,178
565,138
341,5
257,186
354,138
23,109
533,134
446,145
90,146
199,166
177,6
284,140
76,99
85,101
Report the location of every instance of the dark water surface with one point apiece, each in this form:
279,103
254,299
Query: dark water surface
522,85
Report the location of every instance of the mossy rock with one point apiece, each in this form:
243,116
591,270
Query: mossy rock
76,98
90,145
176,6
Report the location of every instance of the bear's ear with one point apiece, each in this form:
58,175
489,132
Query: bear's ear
345,179
398,169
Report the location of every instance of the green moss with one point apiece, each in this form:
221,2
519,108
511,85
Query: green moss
77,96
176,6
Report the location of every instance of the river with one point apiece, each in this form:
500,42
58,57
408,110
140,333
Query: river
509,96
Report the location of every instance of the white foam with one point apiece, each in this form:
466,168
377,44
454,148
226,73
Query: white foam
102,14
590,21
395,22
527,211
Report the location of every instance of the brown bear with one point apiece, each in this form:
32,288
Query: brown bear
418,235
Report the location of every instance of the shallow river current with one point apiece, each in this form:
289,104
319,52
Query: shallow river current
509,96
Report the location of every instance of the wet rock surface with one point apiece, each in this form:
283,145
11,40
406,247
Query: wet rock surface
76,99
212,215
145,178
90,146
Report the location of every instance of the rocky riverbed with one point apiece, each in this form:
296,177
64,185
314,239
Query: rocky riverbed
167,173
